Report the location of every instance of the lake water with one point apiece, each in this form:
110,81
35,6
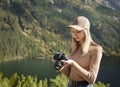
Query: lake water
34,67
109,69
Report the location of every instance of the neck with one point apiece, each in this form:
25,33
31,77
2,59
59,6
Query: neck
81,42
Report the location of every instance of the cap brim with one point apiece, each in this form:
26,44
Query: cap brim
76,27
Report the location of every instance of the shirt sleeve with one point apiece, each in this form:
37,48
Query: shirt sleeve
96,56
90,75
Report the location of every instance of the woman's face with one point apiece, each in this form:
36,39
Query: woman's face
77,35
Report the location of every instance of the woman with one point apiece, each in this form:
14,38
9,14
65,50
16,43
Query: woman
82,69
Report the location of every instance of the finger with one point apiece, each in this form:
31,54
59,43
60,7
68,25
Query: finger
63,61
65,65
53,60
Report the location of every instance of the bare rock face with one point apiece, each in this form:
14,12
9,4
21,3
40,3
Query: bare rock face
115,3
112,3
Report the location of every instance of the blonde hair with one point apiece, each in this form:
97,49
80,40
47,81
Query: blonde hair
85,45
81,23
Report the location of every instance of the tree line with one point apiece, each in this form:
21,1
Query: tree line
17,80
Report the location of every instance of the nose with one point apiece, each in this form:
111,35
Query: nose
75,34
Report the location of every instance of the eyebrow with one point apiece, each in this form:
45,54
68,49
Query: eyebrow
77,30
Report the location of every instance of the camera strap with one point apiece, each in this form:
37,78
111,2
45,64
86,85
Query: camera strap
60,55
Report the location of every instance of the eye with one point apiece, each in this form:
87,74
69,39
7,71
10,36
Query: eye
79,31
73,31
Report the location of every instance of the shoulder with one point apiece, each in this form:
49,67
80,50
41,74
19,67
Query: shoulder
95,49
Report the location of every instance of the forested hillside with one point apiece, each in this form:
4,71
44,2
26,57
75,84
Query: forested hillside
33,28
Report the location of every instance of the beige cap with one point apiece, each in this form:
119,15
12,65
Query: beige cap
80,23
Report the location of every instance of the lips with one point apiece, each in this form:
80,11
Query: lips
77,38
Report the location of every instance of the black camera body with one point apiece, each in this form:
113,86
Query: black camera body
58,57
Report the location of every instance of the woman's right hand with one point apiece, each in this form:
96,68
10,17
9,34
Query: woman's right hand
66,63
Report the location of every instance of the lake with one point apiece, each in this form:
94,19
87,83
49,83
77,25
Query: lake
34,67
109,69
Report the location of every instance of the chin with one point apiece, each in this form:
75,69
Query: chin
77,40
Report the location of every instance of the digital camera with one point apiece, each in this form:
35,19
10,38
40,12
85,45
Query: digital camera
58,57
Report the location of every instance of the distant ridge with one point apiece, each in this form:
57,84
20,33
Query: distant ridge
30,28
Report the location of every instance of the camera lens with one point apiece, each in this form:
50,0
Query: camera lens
58,65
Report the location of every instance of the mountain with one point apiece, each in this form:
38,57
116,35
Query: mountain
115,3
35,28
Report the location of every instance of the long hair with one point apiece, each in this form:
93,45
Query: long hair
85,45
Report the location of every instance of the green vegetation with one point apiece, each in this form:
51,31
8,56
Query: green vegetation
35,28
32,28
29,81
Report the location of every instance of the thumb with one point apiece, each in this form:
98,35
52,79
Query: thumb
63,61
